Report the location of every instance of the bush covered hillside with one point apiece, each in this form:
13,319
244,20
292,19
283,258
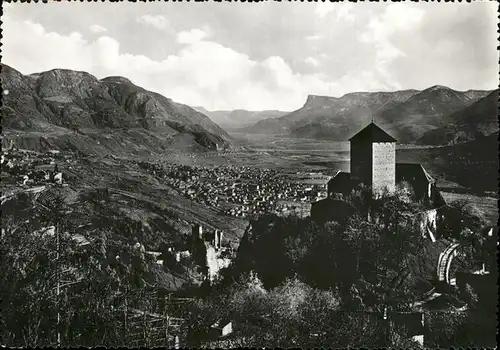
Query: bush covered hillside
293,283
471,123
296,283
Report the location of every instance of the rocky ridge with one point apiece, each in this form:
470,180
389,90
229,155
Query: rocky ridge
77,102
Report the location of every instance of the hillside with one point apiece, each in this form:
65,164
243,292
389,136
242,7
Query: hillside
478,157
67,102
275,126
239,118
406,114
477,120
330,117
425,111
99,133
473,164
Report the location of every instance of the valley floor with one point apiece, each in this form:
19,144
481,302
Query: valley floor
310,155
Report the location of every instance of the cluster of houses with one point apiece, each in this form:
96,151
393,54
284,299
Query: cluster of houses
239,191
277,196
28,168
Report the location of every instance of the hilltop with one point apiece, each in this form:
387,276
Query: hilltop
70,103
406,114
426,111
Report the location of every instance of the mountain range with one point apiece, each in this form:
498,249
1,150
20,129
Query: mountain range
473,122
408,115
239,118
68,102
79,107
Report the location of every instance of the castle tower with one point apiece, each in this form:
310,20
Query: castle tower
196,232
373,158
218,239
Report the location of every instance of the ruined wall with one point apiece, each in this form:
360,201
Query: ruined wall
428,223
361,161
214,262
211,261
383,166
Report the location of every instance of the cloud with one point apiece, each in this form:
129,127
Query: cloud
30,48
395,18
262,63
324,8
95,28
312,61
156,21
343,11
314,37
192,36
419,46
200,73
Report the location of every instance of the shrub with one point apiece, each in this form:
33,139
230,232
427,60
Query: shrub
462,221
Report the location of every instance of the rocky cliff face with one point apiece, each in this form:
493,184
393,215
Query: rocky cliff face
355,106
78,101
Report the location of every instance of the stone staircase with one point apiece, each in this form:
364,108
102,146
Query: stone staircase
444,262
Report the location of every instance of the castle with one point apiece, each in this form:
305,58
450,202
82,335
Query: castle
373,164
208,251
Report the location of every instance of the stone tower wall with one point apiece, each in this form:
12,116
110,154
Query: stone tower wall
361,161
384,166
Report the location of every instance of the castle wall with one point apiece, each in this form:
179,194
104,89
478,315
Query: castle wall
207,250
211,261
384,166
214,261
428,224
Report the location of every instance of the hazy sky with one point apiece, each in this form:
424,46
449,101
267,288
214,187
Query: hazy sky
259,55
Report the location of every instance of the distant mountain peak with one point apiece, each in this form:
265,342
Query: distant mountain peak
315,100
318,97
358,94
117,79
438,87
63,72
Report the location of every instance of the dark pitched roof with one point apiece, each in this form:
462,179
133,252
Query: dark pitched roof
412,170
340,179
373,133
